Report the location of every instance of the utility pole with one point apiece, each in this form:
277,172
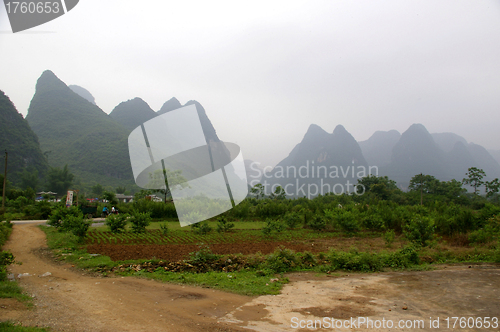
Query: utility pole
4,182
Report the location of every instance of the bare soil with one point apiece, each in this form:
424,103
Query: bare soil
73,300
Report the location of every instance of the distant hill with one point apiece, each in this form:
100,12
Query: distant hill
84,93
170,105
415,153
78,133
495,154
377,150
322,162
20,142
132,113
447,141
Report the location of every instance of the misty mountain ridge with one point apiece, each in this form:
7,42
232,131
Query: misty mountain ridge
82,92
73,131
21,143
322,162
132,113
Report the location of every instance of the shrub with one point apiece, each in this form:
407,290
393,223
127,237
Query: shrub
389,237
273,226
420,231
76,225
116,222
223,225
373,222
292,219
139,221
354,261
403,258
201,228
61,213
282,260
347,221
203,255
318,223
307,259
164,229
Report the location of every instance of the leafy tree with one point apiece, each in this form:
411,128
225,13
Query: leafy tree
97,190
110,197
426,183
474,178
59,180
279,193
29,179
492,187
121,190
380,186
258,191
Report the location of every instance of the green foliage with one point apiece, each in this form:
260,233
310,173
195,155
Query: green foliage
318,223
282,260
273,226
110,197
279,193
121,190
223,225
6,258
373,222
158,210
204,255
347,221
10,327
164,229
201,228
61,213
258,191
292,219
5,230
389,237
97,190
59,180
116,222
76,225
492,187
24,155
420,230
380,186
474,178
139,221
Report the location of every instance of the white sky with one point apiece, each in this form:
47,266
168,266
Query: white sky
266,70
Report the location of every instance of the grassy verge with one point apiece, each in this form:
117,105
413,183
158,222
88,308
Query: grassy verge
9,289
239,282
10,327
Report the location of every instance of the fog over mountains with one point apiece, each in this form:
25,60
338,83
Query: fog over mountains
69,128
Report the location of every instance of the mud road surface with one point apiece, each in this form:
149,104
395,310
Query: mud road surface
73,300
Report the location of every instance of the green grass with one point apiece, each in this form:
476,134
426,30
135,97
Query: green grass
9,289
9,327
241,282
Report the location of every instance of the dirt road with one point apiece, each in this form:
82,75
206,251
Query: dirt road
70,301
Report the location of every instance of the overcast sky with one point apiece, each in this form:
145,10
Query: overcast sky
266,70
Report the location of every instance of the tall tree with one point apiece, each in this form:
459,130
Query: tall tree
492,187
474,178
59,180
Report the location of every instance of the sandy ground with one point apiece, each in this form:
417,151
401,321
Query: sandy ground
71,300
